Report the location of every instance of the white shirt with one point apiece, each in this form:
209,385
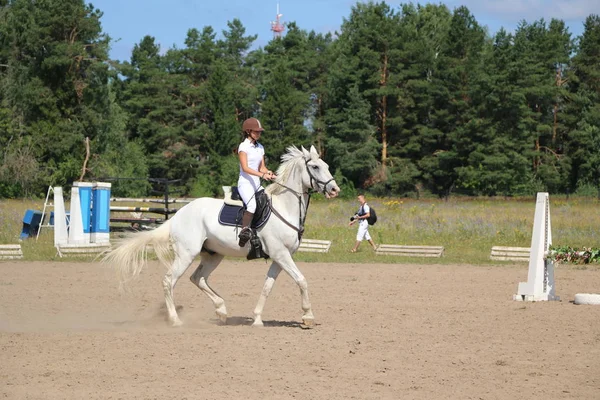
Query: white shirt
254,154
365,209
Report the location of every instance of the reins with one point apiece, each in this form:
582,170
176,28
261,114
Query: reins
301,220
300,228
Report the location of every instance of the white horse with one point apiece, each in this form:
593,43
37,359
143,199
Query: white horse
195,229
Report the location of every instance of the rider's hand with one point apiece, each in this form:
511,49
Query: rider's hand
269,175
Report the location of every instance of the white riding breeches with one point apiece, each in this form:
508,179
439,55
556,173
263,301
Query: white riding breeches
363,231
247,193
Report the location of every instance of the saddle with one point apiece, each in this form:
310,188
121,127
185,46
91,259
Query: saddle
231,215
232,196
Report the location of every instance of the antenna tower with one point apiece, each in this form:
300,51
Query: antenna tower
276,26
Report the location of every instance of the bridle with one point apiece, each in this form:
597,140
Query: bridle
312,178
301,219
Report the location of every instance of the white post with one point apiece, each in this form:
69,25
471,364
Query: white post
540,278
60,218
76,235
85,204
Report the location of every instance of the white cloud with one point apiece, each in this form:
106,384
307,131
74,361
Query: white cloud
532,10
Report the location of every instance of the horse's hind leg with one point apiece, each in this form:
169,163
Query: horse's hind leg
208,263
182,261
272,275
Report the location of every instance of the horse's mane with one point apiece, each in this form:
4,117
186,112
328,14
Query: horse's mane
288,161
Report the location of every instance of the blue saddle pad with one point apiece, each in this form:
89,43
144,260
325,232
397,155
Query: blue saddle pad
232,215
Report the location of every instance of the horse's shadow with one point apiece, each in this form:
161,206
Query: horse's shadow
231,321
246,321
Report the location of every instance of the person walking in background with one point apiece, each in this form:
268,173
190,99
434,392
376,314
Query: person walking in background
252,168
363,226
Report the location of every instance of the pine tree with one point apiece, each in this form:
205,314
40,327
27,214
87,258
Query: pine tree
55,84
583,144
352,147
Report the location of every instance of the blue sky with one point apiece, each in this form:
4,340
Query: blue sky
128,21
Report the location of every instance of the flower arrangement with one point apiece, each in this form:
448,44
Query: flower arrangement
574,255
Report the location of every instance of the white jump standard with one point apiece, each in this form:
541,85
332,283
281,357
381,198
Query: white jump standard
61,233
540,278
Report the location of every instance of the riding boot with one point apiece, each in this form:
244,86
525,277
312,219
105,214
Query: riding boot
246,232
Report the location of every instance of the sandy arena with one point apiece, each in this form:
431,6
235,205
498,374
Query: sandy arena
383,332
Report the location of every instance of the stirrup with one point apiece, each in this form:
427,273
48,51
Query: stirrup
245,235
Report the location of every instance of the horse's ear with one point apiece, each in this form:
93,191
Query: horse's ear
305,153
314,151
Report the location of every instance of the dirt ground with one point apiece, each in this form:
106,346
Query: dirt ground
383,332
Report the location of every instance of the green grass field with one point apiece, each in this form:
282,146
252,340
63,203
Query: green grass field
467,228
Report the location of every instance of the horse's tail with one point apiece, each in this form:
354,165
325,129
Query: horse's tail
130,255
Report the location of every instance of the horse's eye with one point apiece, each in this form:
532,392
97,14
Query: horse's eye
315,167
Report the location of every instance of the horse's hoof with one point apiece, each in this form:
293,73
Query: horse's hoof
176,323
221,312
308,322
257,323
222,319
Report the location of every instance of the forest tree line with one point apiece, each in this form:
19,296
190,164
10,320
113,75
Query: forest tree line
400,101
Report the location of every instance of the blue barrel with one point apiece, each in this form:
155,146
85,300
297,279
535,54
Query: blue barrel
31,223
51,221
100,232
85,200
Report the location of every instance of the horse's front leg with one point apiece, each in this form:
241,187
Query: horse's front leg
272,275
288,265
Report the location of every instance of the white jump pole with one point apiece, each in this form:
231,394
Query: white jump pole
60,218
540,278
